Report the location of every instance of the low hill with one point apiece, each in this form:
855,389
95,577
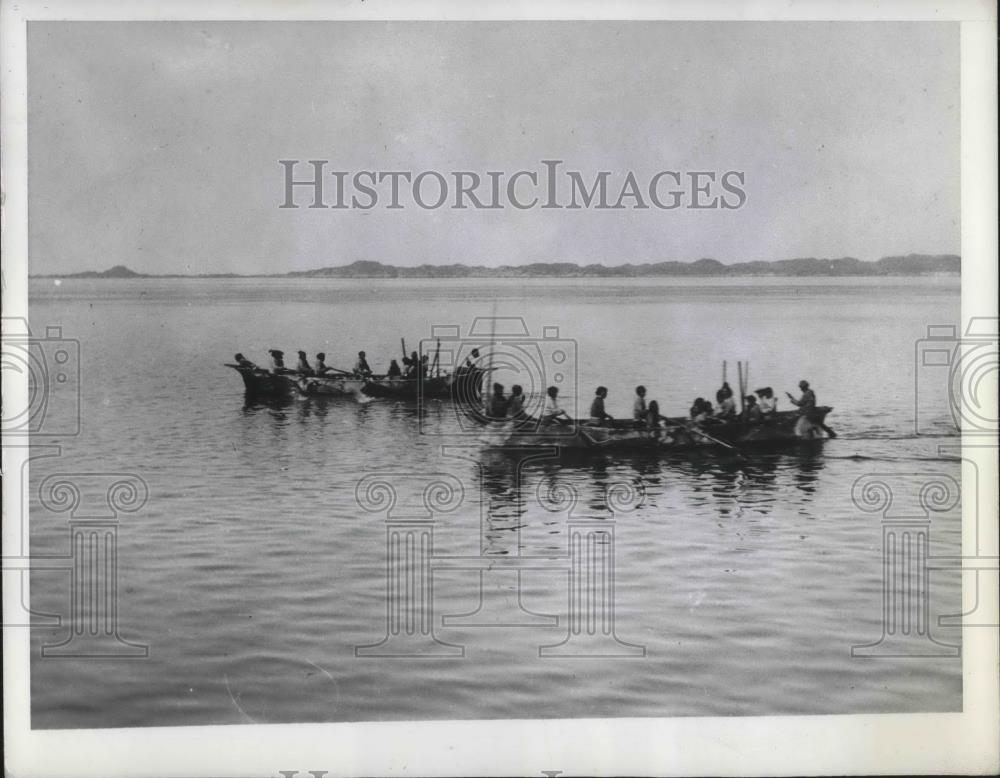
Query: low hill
909,265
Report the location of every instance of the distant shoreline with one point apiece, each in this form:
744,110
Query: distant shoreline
909,265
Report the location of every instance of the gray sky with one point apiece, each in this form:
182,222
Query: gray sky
155,145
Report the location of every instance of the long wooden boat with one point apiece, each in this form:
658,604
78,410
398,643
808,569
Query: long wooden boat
674,434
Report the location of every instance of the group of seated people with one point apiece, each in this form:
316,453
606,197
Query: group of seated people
414,366
756,407
501,406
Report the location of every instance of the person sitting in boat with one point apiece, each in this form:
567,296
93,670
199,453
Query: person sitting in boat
515,403
639,409
653,417
278,361
706,414
696,406
597,413
807,401
553,414
496,408
470,361
361,368
425,366
244,363
751,411
412,362
724,399
303,366
767,403
394,371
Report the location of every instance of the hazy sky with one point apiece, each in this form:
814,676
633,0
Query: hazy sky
156,145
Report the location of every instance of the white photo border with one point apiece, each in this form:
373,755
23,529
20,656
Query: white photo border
846,744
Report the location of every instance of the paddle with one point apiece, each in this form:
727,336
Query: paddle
716,441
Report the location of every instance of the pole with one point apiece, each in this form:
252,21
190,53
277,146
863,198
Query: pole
739,368
402,343
436,366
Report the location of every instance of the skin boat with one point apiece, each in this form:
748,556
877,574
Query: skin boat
674,434
329,385
408,388
463,386
263,383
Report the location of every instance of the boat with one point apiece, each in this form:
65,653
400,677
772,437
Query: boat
675,434
259,382
463,386
398,388
329,385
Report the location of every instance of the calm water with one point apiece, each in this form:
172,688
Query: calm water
252,574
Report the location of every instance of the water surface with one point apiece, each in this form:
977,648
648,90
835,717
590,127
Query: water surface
253,574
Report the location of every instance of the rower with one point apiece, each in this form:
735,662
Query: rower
303,366
639,406
768,403
724,398
752,413
553,414
497,407
515,403
412,363
244,363
361,368
597,413
394,371
704,412
321,367
277,360
653,416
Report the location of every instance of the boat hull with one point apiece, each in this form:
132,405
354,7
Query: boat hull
788,428
259,382
329,386
409,388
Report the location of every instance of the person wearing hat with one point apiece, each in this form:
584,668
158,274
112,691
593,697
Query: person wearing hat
768,403
361,368
303,366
